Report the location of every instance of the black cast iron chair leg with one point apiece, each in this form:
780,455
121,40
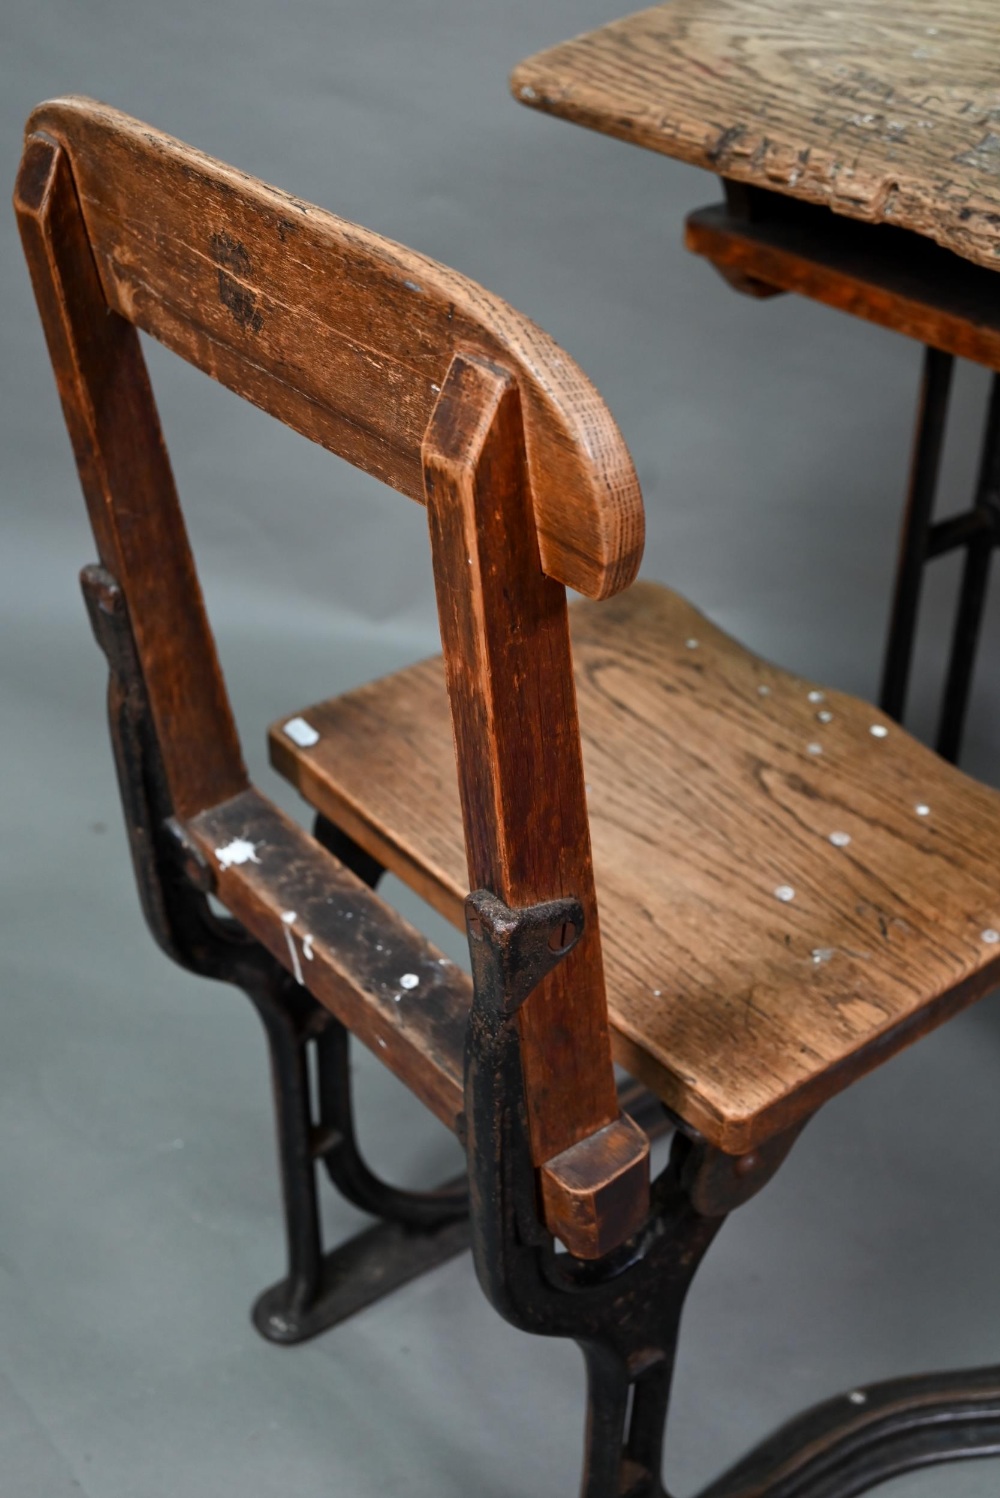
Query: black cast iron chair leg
608,1389
337,1147
626,1416
319,1289
415,1231
287,1049
647,1423
623,1310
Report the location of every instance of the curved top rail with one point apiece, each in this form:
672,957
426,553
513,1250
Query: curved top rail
342,334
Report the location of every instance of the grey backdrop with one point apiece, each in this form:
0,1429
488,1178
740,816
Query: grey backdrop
138,1200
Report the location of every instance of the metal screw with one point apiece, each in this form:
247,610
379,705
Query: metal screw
562,936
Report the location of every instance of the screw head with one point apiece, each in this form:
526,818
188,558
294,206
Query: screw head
562,936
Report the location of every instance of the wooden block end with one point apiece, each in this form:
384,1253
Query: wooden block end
596,1193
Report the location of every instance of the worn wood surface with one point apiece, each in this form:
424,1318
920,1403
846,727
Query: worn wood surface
128,485
520,775
743,1010
887,276
884,110
395,991
340,333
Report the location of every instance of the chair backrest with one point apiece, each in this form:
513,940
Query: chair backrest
409,371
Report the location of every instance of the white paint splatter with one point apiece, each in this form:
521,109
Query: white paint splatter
300,732
991,937
409,980
857,1396
840,839
825,716
879,731
785,893
763,691
814,748
237,852
822,954
691,644
817,696
307,947
922,809
288,919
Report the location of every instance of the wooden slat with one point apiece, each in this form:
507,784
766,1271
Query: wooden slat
520,776
887,276
357,956
884,110
128,485
340,333
742,1011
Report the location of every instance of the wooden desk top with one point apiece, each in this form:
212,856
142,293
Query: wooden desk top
882,110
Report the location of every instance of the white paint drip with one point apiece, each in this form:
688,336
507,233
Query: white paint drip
288,918
785,893
922,809
840,839
307,947
991,937
237,852
409,980
300,732
823,954
879,731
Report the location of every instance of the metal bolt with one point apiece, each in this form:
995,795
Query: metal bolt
562,936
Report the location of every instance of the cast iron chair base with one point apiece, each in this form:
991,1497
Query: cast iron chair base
355,1275
624,1311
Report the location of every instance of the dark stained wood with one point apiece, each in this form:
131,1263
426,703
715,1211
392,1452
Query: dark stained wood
878,109
887,276
520,775
340,333
357,956
742,1011
128,485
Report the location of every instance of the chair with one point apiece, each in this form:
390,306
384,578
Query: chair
790,888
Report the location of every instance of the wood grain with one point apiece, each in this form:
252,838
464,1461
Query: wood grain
520,777
334,933
128,485
878,109
742,1011
340,333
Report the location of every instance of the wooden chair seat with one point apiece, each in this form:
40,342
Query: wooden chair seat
791,887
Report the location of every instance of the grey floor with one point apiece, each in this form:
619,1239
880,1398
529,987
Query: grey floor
138,1200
